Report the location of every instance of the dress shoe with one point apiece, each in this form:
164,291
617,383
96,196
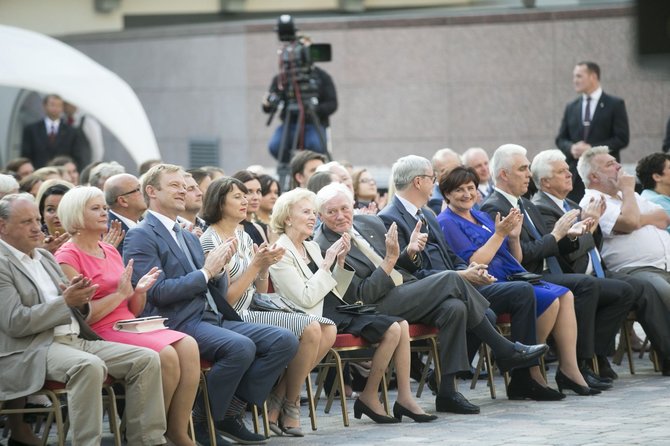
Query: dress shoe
455,403
665,367
523,355
564,382
594,381
235,429
605,368
399,411
201,430
360,408
530,389
12,442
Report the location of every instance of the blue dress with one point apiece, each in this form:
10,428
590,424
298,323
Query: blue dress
466,237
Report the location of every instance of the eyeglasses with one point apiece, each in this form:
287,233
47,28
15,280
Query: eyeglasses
128,193
432,177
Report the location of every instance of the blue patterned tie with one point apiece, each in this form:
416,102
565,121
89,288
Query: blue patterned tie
182,244
593,254
552,261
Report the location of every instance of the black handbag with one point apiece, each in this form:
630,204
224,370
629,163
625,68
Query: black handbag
532,278
272,302
357,309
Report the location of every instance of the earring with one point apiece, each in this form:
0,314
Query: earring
290,224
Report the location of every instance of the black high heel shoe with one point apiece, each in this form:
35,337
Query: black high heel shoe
399,410
564,382
360,408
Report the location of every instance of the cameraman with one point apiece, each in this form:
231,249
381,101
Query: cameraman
324,104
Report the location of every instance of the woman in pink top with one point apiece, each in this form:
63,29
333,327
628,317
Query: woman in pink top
83,213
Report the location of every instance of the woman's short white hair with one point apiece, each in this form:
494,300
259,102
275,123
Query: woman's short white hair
502,158
585,163
407,168
282,208
541,166
72,205
331,191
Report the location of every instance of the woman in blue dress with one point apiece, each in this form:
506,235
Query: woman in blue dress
476,238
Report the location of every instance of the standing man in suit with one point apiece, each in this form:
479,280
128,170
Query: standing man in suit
446,300
246,358
50,137
553,180
125,201
593,119
43,336
598,317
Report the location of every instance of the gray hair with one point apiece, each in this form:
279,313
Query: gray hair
585,163
72,205
102,171
445,153
470,152
541,166
8,185
502,158
331,191
407,168
7,202
283,205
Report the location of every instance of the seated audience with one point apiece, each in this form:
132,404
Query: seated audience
21,166
320,179
125,203
224,209
189,217
30,184
8,185
246,358
251,182
444,161
49,173
44,336
342,174
476,238
146,165
83,213
303,165
102,171
317,284
202,177
365,192
69,165
478,159
653,171
48,198
270,191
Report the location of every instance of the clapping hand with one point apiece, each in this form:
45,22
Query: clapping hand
53,242
507,225
79,292
147,280
114,234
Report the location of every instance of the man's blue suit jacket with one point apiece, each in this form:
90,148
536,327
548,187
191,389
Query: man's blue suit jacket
179,294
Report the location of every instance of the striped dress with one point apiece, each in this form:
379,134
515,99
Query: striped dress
294,322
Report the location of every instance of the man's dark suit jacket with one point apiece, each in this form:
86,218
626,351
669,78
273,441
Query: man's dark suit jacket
369,283
437,252
609,127
578,260
534,250
36,147
179,294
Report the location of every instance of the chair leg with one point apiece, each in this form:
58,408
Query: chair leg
208,409
310,401
254,417
340,384
266,422
594,365
111,414
489,368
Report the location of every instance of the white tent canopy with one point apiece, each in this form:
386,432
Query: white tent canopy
37,62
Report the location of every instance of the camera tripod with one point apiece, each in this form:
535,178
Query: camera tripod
287,148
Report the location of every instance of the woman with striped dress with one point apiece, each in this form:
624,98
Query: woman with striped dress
224,208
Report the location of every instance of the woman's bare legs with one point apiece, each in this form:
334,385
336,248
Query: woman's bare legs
380,361
544,325
565,335
182,365
402,362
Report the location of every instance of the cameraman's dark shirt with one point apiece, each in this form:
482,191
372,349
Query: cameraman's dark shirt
325,93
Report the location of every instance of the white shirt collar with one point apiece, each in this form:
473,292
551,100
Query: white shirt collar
20,255
556,200
128,222
49,122
166,221
408,206
514,201
595,96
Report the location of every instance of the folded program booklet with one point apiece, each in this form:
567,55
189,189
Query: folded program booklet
141,325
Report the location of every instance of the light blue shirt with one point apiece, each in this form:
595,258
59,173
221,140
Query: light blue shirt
659,199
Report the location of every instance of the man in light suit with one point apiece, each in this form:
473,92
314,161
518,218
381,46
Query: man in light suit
593,119
445,300
598,316
125,201
246,358
43,336
50,137
552,178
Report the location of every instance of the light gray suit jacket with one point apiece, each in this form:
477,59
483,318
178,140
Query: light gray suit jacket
27,324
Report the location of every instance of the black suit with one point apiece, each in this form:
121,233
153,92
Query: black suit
652,313
609,127
515,298
585,288
37,147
